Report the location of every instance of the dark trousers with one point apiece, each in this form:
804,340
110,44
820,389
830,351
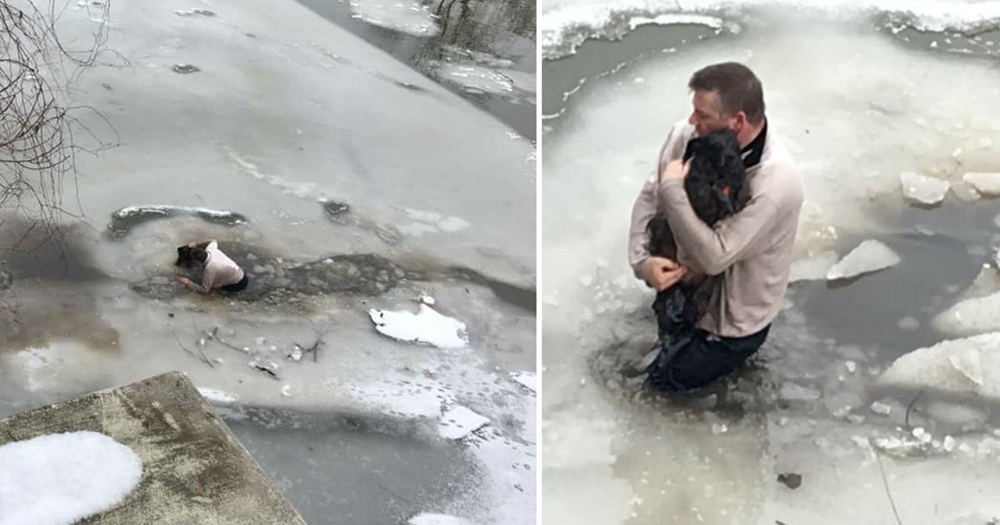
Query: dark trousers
238,287
698,358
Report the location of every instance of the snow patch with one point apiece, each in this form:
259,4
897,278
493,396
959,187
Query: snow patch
427,326
427,518
405,16
62,478
458,422
525,379
218,396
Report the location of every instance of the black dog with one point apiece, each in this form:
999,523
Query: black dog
717,188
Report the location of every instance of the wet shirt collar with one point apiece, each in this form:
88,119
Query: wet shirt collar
752,152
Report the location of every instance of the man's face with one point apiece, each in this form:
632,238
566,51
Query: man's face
707,115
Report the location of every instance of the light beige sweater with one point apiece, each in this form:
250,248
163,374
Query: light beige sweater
751,250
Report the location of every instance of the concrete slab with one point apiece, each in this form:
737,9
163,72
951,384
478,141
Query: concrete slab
194,468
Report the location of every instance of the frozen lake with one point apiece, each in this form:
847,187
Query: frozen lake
861,93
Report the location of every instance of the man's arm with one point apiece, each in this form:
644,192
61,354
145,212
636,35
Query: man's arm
710,250
644,207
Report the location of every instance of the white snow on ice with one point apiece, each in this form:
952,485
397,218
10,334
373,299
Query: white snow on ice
525,379
428,518
405,16
458,422
58,479
427,326
217,396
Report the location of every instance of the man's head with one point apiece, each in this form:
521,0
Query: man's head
188,257
727,95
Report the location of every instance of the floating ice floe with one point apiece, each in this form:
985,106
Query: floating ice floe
979,310
813,268
428,518
988,184
217,396
525,379
922,189
59,479
961,366
869,256
427,326
458,422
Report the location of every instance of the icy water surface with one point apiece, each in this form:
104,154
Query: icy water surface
860,94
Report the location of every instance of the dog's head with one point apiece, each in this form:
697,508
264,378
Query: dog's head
716,183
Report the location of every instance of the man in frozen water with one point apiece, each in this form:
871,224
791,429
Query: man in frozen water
751,251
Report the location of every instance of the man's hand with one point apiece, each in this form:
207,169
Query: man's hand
184,280
676,170
662,273
192,244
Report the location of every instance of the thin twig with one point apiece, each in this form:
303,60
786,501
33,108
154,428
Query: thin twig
885,482
906,419
205,359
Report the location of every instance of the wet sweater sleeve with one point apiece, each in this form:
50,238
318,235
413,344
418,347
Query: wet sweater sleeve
644,207
710,250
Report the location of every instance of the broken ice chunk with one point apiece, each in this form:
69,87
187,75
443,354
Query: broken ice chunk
881,408
812,268
908,323
922,189
869,256
795,392
987,184
428,300
286,390
964,191
948,444
427,326
458,422
957,366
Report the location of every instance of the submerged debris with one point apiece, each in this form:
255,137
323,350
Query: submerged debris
791,480
185,69
335,210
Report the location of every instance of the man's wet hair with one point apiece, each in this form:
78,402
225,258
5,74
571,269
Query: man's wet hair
735,85
188,257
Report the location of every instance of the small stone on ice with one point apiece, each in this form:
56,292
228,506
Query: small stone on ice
881,408
870,256
857,419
